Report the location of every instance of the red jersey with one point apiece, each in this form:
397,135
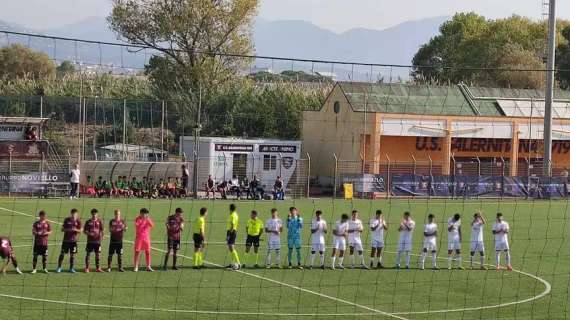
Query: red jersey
40,230
117,228
5,247
70,226
94,230
174,226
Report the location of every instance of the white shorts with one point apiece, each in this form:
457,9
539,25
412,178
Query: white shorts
404,245
502,246
318,247
477,246
356,243
454,244
339,243
430,245
274,244
377,243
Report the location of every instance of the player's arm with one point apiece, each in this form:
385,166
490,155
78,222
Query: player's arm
459,231
384,225
325,228
374,227
182,226
450,227
313,230
85,228
48,232
483,220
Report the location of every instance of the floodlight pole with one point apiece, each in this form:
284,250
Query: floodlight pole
197,128
548,98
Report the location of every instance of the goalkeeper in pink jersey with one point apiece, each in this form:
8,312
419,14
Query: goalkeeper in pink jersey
143,226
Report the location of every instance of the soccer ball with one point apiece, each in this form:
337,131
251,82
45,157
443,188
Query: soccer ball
235,266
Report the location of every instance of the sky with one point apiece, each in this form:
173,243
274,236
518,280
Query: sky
335,15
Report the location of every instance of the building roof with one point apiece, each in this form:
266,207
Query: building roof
459,100
22,120
132,148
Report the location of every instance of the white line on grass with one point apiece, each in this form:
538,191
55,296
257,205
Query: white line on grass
547,290
375,311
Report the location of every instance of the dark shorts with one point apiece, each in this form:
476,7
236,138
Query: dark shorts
252,241
173,244
115,248
198,240
184,183
69,247
40,250
93,247
231,237
5,253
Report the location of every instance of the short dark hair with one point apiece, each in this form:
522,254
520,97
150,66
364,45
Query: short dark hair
94,211
292,208
431,216
378,212
203,211
144,211
354,211
499,214
100,177
42,213
318,212
407,213
178,210
73,210
273,210
254,212
232,207
456,216
344,216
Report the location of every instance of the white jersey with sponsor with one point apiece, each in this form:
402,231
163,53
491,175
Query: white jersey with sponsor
339,242
274,224
453,233
406,232
378,233
319,235
501,238
356,226
477,243
75,174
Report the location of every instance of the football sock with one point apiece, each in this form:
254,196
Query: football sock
235,257
44,261
449,261
174,259
109,261
498,258
398,255
268,258
422,259
458,258
471,261
120,260
137,259
482,260
333,260
60,260
278,257
71,261
34,262
361,258
352,259
147,257
312,259
407,258
97,260
257,257
87,256
196,259
290,255
298,256
340,260
166,259
434,259
508,258
322,259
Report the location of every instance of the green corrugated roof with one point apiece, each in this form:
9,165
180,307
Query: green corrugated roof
435,100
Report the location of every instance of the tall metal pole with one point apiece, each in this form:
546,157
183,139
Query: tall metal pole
548,101
197,129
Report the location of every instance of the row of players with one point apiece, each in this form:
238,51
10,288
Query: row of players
346,230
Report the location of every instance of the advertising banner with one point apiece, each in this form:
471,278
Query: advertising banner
366,183
32,182
23,149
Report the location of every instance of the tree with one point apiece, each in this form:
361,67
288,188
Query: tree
17,61
191,37
473,49
563,60
65,68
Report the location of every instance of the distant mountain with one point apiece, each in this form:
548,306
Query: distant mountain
287,38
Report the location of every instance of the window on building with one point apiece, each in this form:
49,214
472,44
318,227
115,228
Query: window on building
269,162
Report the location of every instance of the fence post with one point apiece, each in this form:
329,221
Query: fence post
9,173
453,182
41,106
162,131
335,174
414,167
502,177
225,160
430,186
195,180
124,129
308,174
388,178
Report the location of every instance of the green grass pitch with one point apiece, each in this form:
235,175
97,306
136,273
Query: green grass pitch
539,243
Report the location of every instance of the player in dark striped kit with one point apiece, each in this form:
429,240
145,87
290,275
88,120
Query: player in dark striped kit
41,230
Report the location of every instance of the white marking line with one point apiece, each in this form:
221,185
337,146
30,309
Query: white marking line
378,312
547,285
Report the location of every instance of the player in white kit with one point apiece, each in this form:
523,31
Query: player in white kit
355,229
477,243
340,233
430,243
318,231
406,229
274,227
454,241
377,226
501,232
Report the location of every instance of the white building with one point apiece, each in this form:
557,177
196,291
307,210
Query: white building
266,159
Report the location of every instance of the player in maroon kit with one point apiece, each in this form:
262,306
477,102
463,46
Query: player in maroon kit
117,227
7,254
174,227
41,230
71,228
93,228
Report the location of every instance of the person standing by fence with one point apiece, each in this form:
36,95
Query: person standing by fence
74,175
